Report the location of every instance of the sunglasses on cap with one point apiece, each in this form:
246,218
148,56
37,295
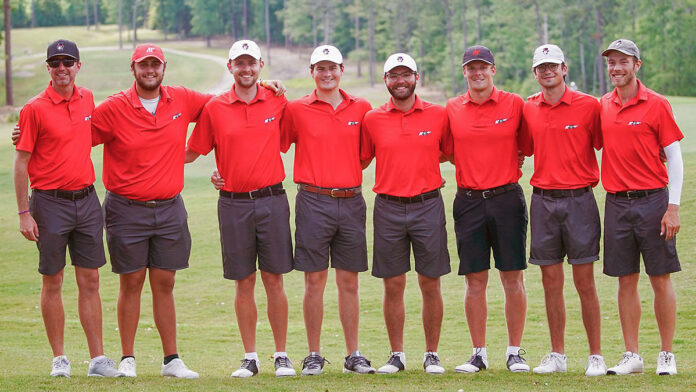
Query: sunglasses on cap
56,63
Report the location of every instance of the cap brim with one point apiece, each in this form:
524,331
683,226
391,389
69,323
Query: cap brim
147,57
554,61
245,54
606,52
485,61
63,54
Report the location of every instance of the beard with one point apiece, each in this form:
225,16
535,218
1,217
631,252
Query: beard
149,84
403,94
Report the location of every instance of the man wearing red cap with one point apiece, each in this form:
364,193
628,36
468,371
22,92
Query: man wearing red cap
63,211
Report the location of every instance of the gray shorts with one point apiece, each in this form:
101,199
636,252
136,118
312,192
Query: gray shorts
140,236
398,226
77,225
564,226
632,229
324,225
255,228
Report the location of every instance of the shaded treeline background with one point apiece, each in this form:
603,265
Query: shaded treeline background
435,32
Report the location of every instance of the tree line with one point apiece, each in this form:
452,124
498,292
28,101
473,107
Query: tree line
435,32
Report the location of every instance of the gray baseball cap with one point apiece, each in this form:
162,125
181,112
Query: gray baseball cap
625,46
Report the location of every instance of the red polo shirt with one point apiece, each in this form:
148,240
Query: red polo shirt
246,138
56,132
633,134
485,139
327,141
562,137
407,146
144,154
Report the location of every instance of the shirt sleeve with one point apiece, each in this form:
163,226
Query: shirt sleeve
668,131
29,127
596,127
367,148
287,129
447,142
525,141
202,139
102,125
196,103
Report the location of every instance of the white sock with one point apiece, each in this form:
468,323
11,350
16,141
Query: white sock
429,352
480,351
401,355
279,354
251,356
559,354
512,350
97,358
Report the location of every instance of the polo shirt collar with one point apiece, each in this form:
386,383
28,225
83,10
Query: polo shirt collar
495,96
57,98
641,95
567,98
346,97
135,99
232,96
417,105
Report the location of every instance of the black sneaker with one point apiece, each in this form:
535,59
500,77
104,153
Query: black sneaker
313,364
283,367
431,363
517,363
249,368
357,364
475,364
394,364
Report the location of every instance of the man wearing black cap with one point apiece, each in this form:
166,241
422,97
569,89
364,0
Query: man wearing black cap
63,211
490,212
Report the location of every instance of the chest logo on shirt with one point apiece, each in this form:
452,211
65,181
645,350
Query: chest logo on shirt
174,117
424,133
634,123
87,118
571,126
266,121
501,120
353,122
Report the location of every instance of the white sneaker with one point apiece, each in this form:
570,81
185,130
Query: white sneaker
60,367
283,367
595,366
177,368
249,368
396,363
475,364
102,366
630,363
126,368
431,363
666,364
552,363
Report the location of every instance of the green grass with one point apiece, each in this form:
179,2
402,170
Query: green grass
207,334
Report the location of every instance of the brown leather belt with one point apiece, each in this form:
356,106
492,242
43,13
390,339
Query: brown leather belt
275,189
69,195
486,193
560,193
637,194
413,199
333,192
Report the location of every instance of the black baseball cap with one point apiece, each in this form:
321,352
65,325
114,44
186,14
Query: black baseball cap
478,52
63,47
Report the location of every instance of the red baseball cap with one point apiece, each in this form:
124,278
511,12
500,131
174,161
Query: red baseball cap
144,51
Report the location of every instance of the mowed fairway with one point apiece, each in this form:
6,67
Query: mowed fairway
207,334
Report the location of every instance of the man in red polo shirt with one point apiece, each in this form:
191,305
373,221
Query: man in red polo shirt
53,153
489,210
562,130
243,126
143,130
330,209
641,215
406,136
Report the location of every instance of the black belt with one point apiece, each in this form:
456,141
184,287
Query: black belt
487,193
149,203
413,199
559,193
637,194
333,192
275,189
70,195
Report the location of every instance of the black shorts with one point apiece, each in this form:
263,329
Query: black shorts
323,225
398,226
77,225
255,228
498,223
632,229
140,236
564,226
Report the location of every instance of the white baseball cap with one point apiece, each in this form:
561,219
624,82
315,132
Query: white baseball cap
245,47
548,53
398,60
326,53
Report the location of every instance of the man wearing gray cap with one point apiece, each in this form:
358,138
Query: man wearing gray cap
53,152
406,136
490,213
562,130
641,216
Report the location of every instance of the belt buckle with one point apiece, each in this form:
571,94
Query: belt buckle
630,193
335,190
251,195
151,203
486,194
